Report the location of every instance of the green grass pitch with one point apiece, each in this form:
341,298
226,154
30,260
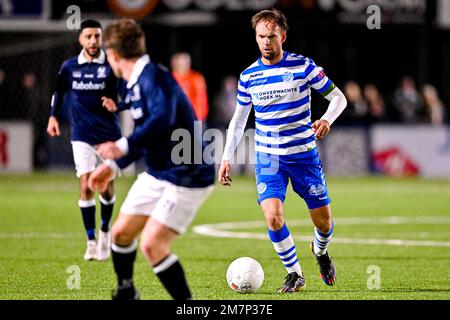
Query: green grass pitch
41,236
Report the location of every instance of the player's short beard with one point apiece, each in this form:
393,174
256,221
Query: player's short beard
270,56
95,55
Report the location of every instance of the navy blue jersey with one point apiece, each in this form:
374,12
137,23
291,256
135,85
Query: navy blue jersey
158,107
85,83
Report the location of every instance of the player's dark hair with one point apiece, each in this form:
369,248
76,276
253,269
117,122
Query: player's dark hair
89,24
271,15
127,37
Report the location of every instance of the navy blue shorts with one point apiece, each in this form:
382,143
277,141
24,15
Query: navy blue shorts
307,178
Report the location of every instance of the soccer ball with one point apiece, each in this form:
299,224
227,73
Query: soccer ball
245,275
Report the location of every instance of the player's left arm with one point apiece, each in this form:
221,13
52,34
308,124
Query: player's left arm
321,83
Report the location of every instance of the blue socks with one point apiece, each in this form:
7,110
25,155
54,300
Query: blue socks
285,248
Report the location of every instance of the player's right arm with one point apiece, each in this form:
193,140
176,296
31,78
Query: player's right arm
234,134
111,105
57,101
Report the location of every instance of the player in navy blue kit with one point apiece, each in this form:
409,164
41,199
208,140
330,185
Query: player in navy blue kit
165,198
85,79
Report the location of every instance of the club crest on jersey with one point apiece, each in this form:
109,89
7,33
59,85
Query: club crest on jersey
288,76
101,72
316,190
261,187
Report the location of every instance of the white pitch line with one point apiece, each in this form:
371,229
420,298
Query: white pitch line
38,235
222,230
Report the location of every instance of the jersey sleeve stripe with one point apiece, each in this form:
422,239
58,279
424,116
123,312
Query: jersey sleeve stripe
241,83
309,69
317,80
243,103
242,94
327,88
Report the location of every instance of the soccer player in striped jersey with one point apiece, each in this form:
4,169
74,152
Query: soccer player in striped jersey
86,78
278,86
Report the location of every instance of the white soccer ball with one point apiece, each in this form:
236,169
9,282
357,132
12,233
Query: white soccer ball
245,275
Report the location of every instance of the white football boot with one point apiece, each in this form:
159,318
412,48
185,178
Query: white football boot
104,245
91,250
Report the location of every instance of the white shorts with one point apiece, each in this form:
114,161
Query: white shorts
85,157
173,206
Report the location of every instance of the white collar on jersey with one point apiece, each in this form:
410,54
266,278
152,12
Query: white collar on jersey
137,70
100,59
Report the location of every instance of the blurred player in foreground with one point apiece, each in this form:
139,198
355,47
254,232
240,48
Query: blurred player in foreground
88,77
165,198
278,86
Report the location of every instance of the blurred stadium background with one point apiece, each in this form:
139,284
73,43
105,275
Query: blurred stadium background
397,82
395,78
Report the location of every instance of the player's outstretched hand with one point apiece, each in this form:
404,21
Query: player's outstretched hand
53,127
109,150
321,128
109,104
99,179
224,173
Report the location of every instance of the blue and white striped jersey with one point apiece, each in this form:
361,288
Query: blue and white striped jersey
280,96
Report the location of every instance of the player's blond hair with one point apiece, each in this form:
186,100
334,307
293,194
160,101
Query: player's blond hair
127,37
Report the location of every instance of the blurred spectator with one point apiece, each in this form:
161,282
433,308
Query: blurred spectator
375,104
33,109
5,100
435,111
224,103
31,96
356,110
192,82
408,103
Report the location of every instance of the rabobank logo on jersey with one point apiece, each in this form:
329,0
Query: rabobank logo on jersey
80,85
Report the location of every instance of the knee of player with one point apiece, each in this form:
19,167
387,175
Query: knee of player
148,249
153,250
325,226
109,193
85,192
275,222
121,236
